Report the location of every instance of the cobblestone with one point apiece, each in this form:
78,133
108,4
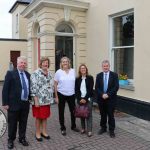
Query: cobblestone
126,136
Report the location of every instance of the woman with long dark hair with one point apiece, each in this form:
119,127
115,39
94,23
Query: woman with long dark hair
84,93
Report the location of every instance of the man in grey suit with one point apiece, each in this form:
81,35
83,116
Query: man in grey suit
15,99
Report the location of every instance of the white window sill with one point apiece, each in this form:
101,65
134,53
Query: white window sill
127,87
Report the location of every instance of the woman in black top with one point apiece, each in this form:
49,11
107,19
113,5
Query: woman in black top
84,93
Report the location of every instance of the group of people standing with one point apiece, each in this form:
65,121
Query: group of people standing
19,87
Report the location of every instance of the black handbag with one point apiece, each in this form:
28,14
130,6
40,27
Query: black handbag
82,111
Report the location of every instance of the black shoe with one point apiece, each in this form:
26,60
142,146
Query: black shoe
23,142
10,145
101,131
46,137
38,139
63,132
112,134
75,129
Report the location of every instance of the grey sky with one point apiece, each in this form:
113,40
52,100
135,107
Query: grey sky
6,18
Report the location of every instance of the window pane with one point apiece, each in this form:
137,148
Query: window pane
123,61
64,28
123,30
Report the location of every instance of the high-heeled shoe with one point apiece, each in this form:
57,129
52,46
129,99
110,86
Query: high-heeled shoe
63,132
82,131
39,139
44,136
89,134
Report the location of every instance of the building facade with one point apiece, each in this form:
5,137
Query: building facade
90,31
56,28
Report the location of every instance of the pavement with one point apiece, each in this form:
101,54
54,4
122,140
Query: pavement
131,134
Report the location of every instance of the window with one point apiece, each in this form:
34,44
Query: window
63,43
64,28
123,44
17,23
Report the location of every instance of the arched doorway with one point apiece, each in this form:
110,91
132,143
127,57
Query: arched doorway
63,44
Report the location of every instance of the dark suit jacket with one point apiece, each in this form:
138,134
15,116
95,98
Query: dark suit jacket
89,87
113,86
12,88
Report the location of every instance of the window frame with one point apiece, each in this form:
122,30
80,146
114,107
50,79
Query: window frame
112,47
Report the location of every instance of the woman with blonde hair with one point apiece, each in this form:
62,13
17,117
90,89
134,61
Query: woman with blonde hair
64,83
42,93
84,93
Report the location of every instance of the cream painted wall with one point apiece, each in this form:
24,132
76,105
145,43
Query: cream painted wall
6,47
98,41
22,28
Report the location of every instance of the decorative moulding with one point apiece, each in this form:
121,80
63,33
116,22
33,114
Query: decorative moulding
67,5
34,17
67,12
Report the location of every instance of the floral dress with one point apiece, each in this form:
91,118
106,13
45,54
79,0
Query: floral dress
42,86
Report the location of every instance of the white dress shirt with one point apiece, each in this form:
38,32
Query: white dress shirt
83,87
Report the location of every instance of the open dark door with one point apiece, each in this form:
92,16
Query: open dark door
13,57
63,47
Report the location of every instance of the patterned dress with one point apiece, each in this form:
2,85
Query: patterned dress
42,86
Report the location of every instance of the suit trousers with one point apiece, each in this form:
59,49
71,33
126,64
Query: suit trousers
89,119
107,112
19,116
61,108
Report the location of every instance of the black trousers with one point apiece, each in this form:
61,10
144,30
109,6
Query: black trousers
107,113
18,118
61,107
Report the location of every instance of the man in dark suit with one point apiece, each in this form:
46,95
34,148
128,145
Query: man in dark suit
15,96
107,85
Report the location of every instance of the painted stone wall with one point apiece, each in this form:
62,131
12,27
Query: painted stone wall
48,19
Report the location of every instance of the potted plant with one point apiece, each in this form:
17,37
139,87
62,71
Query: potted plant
123,79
